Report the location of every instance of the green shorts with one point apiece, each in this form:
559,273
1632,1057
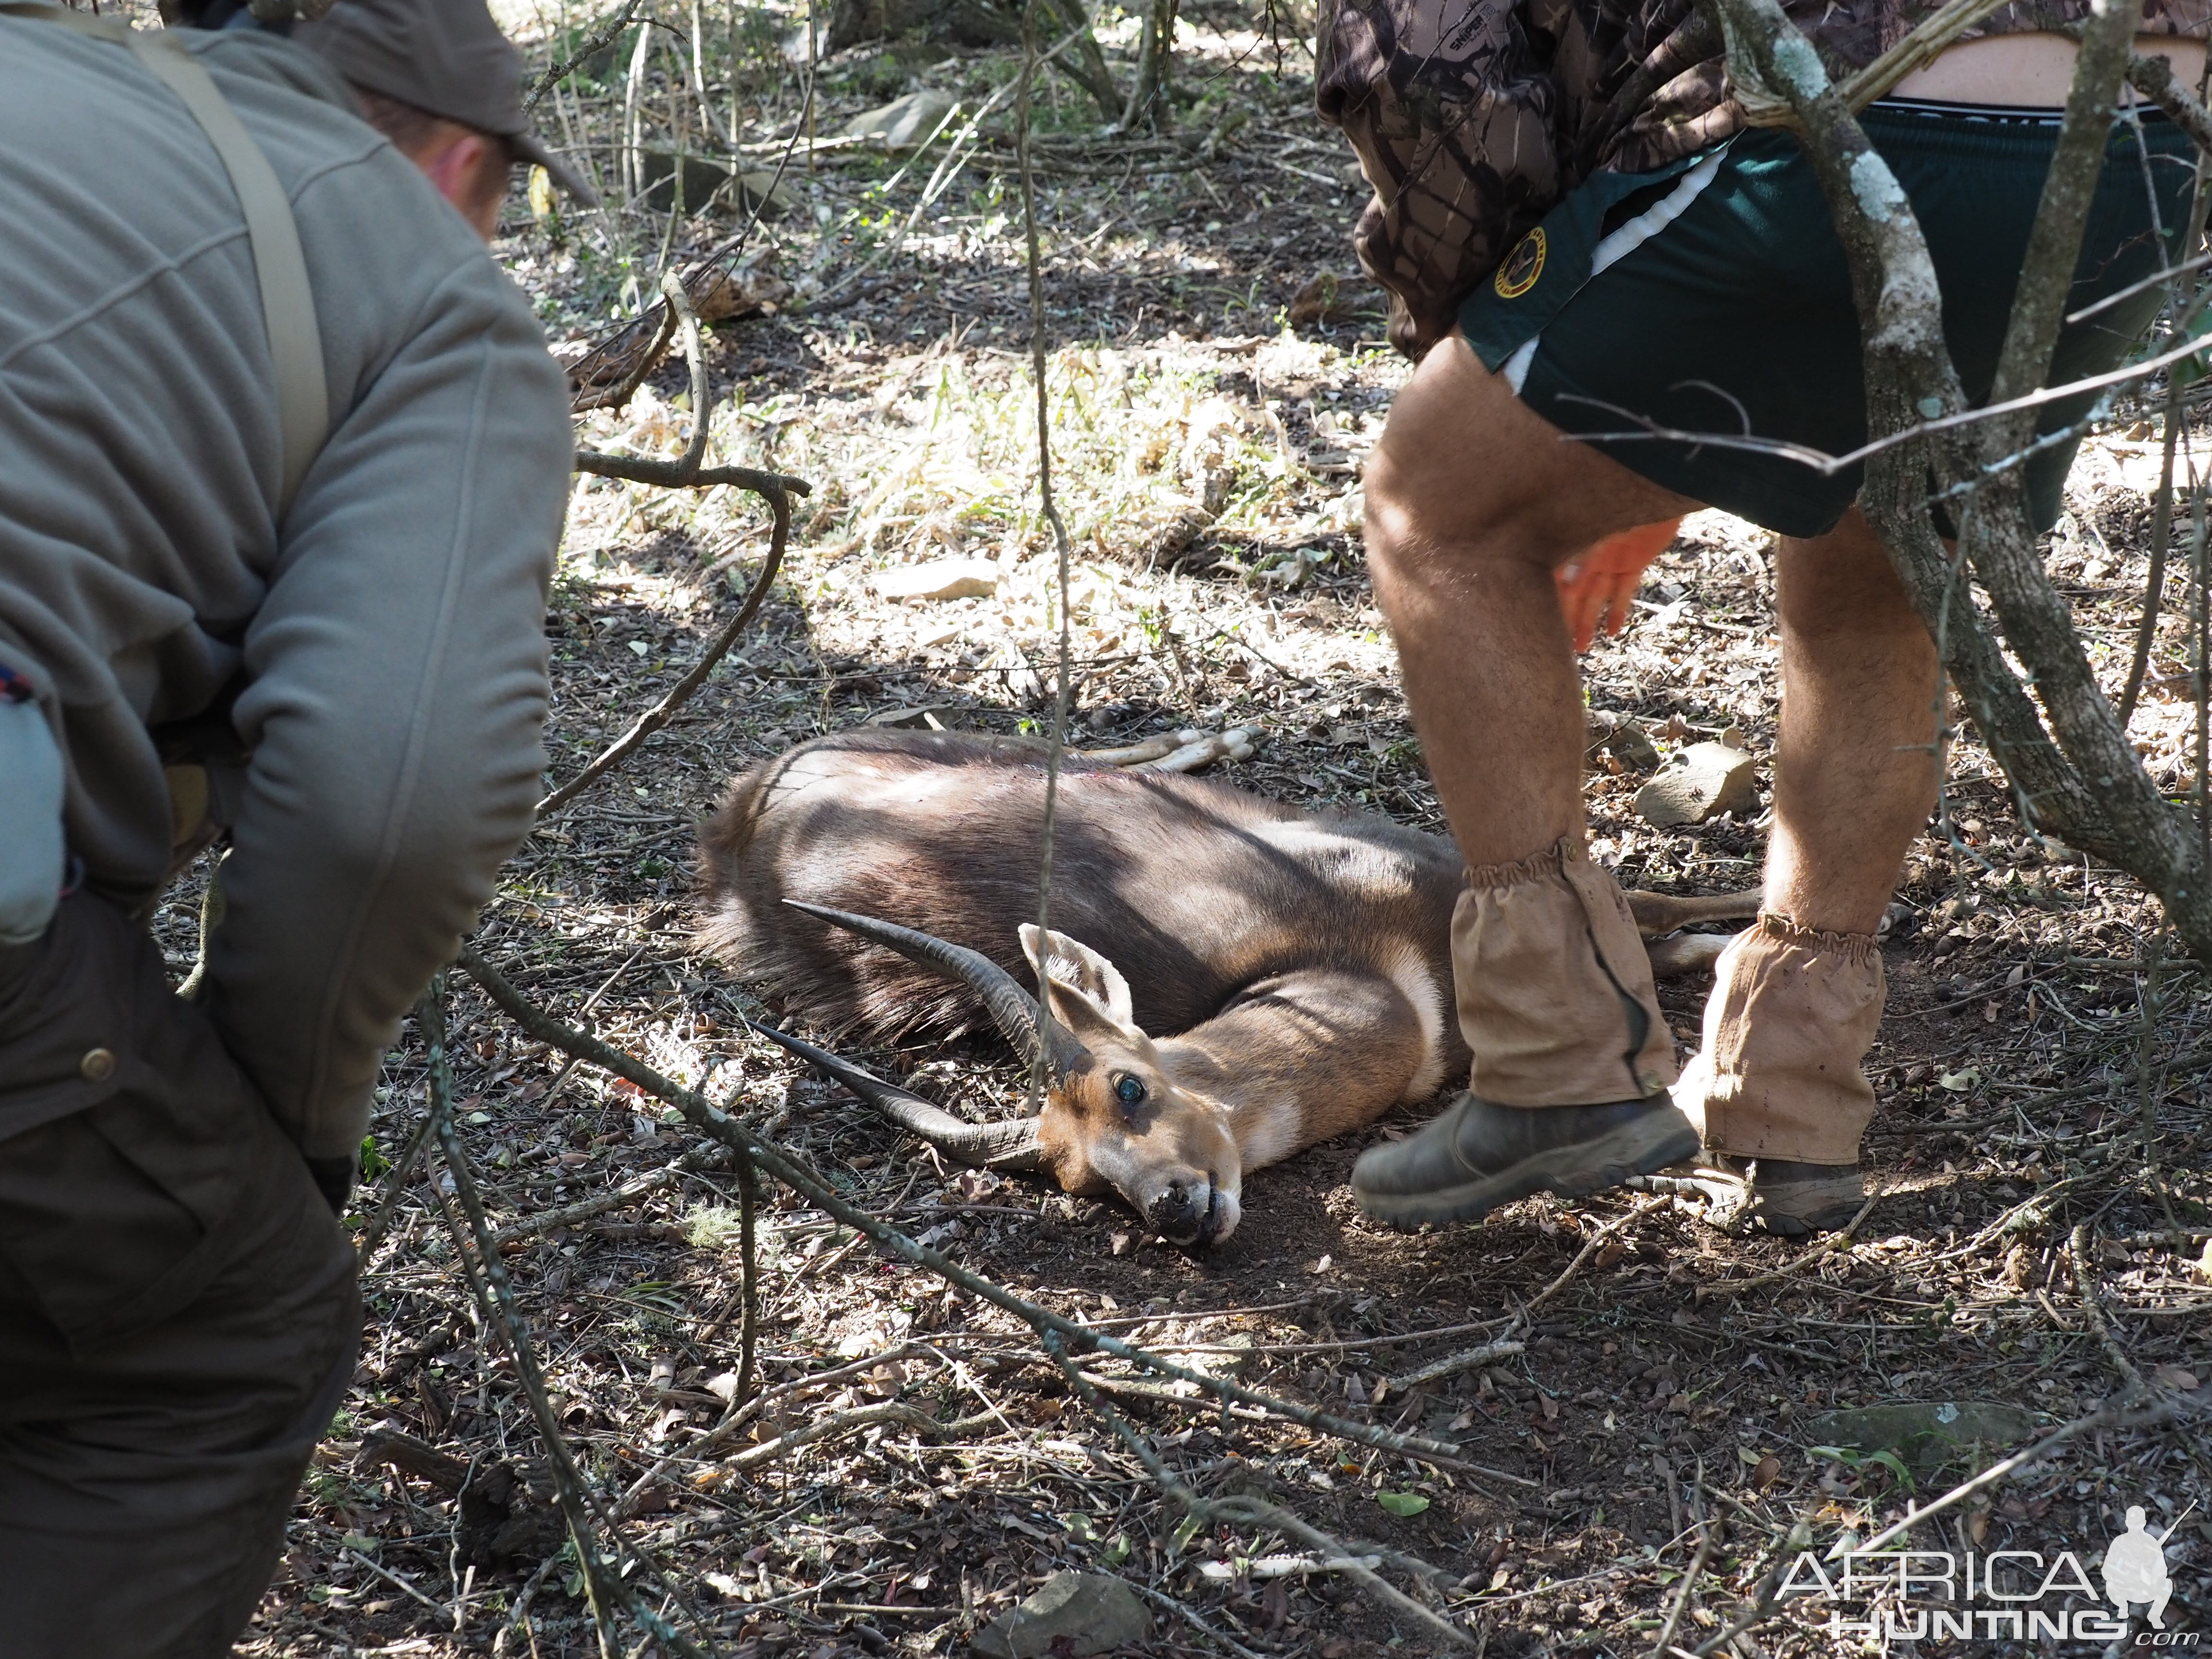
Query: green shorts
1713,296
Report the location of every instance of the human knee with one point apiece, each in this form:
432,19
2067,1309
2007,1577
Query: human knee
1466,477
1430,524
1842,585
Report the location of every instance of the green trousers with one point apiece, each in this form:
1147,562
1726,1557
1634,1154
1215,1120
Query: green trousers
178,1309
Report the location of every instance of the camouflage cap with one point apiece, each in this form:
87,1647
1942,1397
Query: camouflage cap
447,57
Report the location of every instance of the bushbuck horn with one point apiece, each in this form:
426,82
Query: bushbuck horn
1009,1145
1013,1010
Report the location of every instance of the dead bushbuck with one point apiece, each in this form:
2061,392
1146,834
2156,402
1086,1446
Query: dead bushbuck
1229,980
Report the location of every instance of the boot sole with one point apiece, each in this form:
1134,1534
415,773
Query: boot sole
1660,1137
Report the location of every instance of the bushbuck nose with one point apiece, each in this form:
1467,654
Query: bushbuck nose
1181,1213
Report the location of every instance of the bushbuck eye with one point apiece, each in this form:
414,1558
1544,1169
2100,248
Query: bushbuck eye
1129,1091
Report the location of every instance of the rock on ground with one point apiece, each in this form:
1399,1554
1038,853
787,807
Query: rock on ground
938,578
1698,782
1096,1613
904,122
1926,1433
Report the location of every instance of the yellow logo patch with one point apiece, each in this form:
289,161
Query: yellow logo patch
1523,266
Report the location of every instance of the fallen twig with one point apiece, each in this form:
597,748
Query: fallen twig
743,1411
1840,1239
1451,1363
1594,1242
1708,1530
1346,1558
1281,1566
1191,1616
1763,1596
1153,1391
1339,1344
860,1417
496,1297
2093,1309
519,1613
391,1578
547,1221
1250,1510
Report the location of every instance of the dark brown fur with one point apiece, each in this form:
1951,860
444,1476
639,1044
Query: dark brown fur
1173,878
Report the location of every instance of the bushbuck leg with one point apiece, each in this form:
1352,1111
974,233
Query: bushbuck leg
1660,913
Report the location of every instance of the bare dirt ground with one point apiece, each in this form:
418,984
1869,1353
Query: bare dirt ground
1667,1406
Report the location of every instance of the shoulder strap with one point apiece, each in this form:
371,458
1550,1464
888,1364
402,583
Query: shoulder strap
287,303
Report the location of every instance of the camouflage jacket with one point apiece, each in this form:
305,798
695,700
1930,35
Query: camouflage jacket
1473,118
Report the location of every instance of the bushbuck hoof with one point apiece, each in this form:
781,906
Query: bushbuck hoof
1478,1156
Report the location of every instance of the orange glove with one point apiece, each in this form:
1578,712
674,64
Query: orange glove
1597,586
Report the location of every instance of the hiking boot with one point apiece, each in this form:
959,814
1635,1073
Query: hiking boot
1477,1156
1789,1200
1795,1200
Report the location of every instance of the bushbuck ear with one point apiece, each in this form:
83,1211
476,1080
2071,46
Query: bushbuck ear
1087,991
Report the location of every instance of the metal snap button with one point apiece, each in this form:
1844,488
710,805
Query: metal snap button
98,1065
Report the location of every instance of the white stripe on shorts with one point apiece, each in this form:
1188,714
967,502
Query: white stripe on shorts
1623,241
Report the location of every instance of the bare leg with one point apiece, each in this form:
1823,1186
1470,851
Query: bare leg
1796,1001
1472,501
1855,763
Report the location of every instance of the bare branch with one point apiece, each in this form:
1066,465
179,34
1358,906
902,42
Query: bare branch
2154,78
793,1172
860,1417
600,38
1255,1510
680,694
487,1277
2054,245
645,1186
1450,1364
1821,462
2078,1256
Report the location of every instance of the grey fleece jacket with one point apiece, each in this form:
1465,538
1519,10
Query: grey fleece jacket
389,632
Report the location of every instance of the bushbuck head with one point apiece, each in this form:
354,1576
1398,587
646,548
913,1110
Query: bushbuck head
1114,1117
